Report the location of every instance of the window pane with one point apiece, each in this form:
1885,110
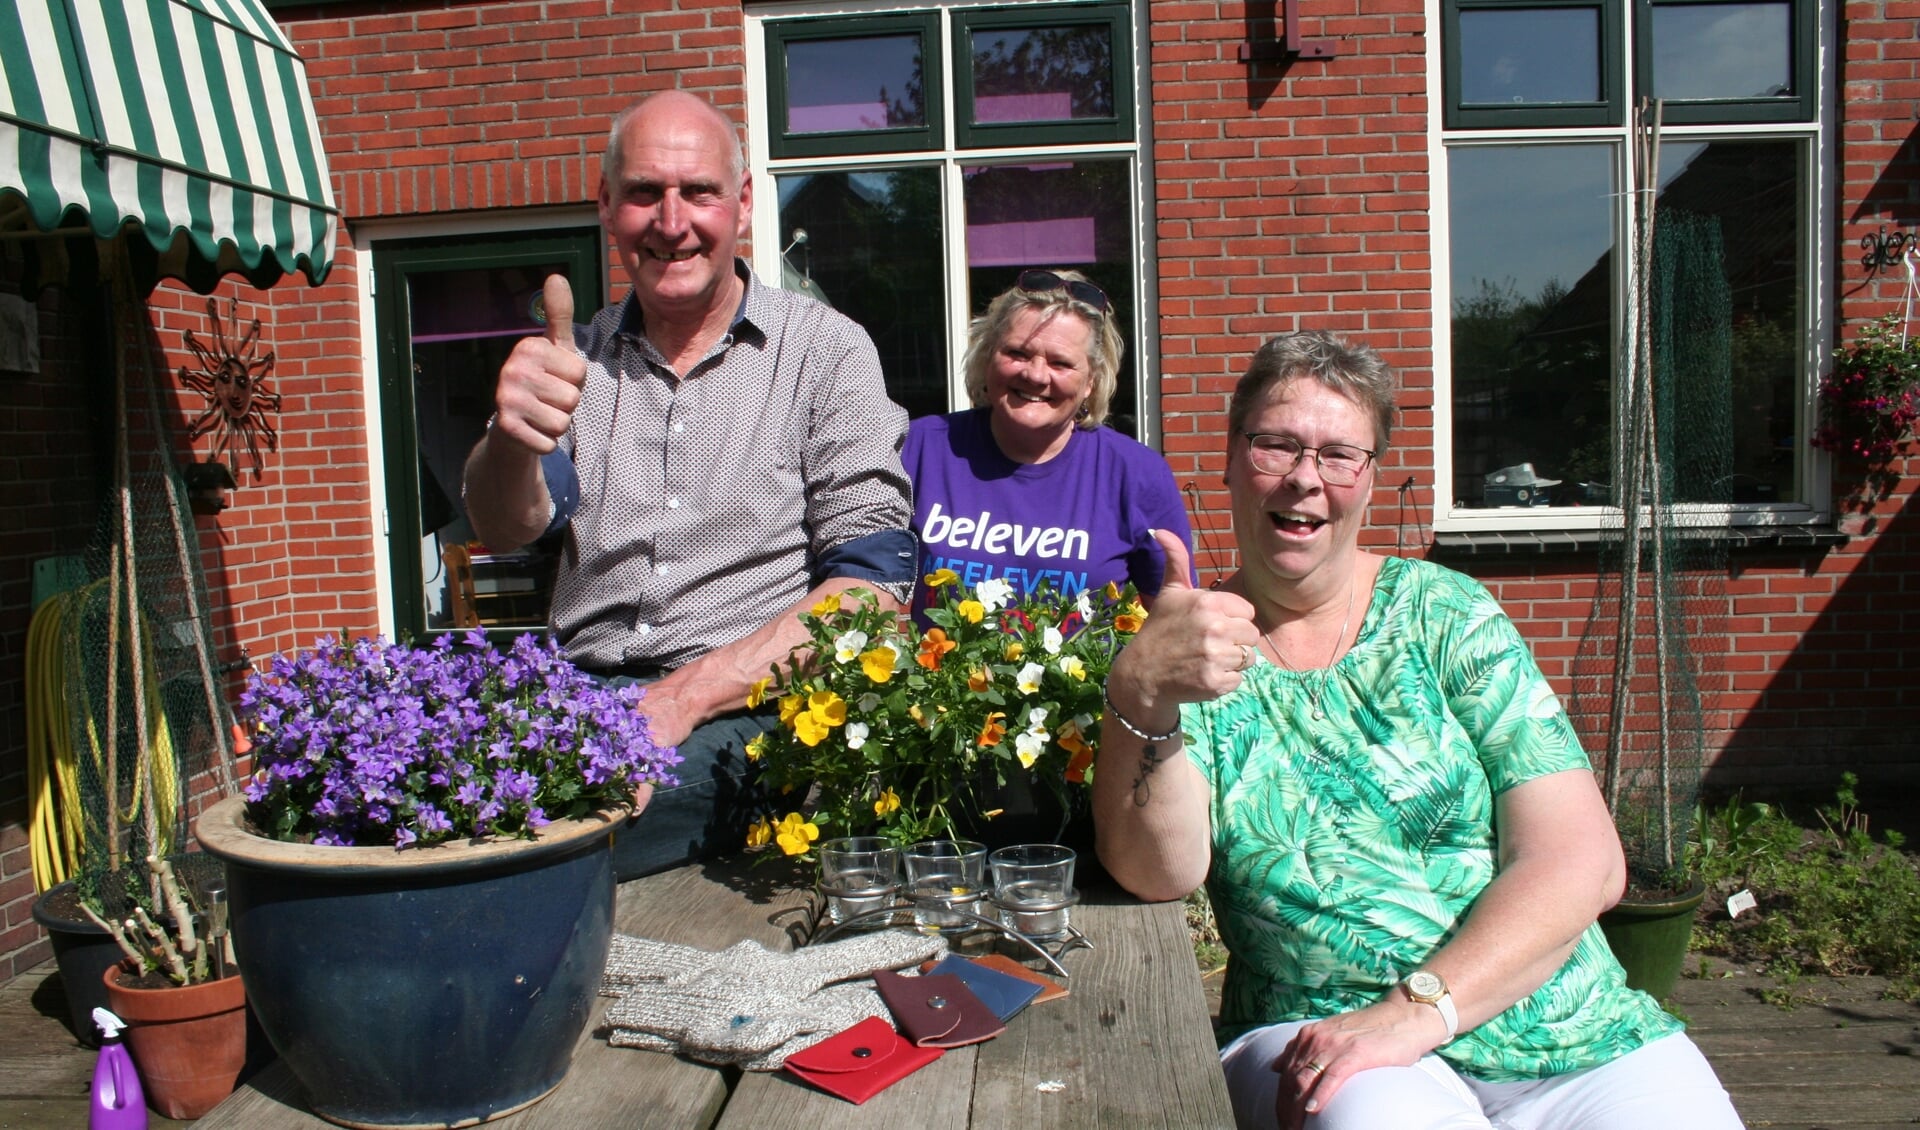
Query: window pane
462,325
1722,50
1533,311
1042,74
1529,56
872,251
1728,264
1059,214
866,83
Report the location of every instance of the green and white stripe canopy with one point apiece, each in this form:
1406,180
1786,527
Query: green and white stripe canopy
189,118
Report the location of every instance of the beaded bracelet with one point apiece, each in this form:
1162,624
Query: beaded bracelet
1114,713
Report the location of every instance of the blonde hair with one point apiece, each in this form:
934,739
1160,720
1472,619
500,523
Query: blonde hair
1105,347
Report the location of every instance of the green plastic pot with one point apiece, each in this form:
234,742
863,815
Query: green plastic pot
1649,938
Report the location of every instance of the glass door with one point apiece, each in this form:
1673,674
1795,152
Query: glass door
449,312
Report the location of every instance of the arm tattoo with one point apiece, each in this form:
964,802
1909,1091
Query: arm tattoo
1150,759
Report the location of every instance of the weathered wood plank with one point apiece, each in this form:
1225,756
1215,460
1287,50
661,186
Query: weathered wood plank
1130,1046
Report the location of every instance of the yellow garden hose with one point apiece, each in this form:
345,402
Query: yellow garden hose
60,825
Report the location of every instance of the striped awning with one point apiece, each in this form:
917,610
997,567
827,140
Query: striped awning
188,118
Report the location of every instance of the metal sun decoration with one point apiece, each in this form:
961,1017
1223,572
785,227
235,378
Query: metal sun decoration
233,376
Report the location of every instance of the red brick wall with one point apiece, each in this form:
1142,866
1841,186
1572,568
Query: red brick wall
1296,195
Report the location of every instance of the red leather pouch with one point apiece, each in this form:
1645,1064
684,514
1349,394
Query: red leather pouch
937,1010
860,1062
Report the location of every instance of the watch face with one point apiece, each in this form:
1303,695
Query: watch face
1426,986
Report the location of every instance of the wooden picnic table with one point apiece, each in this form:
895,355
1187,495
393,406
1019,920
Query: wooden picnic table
1130,1046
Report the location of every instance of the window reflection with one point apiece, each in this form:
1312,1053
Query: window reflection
1529,56
1533,298
1534,283
1722,50
872,251
1042,74
462,325
1727,309
1059,214
868,83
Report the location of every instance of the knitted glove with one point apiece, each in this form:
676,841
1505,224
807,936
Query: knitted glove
748,1006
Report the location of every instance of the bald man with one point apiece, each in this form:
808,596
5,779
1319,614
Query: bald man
721,455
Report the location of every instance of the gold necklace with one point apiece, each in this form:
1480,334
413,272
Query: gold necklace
1326,673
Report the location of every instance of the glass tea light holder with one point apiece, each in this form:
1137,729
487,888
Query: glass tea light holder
945,877
1033,889
859,874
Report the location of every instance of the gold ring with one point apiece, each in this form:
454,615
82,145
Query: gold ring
1249,653
1316,1068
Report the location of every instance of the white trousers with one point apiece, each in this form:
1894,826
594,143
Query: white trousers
1666,1084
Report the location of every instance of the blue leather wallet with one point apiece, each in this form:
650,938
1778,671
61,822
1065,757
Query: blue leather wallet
1006,995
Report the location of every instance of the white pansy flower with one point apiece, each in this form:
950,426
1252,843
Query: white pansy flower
1051,639
856,734
1083,604
994,594
1028,680
867,703
1072,667
1028,747
848,647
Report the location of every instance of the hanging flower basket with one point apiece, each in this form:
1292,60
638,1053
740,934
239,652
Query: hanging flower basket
1869,402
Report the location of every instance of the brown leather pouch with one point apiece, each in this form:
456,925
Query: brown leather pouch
937,1010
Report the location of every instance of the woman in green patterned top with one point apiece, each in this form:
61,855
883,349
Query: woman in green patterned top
1400,832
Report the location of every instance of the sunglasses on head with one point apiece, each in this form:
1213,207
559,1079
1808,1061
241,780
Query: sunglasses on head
1043,282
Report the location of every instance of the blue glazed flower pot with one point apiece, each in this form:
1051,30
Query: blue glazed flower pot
436,986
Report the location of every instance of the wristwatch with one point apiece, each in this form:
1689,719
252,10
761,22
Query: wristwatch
1427,988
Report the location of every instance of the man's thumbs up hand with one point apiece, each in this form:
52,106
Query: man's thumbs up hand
541,383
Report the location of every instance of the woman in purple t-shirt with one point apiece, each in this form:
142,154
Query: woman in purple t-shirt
1027,486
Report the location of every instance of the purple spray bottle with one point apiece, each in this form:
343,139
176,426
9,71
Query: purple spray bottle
118,1103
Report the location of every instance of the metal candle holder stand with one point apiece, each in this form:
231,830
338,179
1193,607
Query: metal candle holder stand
955,905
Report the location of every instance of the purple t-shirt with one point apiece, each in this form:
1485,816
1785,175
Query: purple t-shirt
1075,522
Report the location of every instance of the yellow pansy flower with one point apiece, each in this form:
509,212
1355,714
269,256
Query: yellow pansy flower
1015,649
760,833
827,707
878,663
940,578
757,746
1112,591
795,834
757,693
889,802
790,705
971,610
979,679
827,606
1073,667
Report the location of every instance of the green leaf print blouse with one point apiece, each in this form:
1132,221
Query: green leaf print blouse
1347,849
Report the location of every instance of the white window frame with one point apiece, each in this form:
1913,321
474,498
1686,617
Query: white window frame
1142,334
1815,477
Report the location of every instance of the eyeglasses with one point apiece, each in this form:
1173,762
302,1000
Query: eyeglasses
1042,282
1340,464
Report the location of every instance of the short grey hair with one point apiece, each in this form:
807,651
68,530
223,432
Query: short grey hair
1354,371
616,148
1105,346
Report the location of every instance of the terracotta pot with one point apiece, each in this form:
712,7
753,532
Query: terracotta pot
189,1041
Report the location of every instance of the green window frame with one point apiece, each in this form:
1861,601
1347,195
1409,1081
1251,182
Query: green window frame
394,263
969,134
928,135
1797,106
1608,110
